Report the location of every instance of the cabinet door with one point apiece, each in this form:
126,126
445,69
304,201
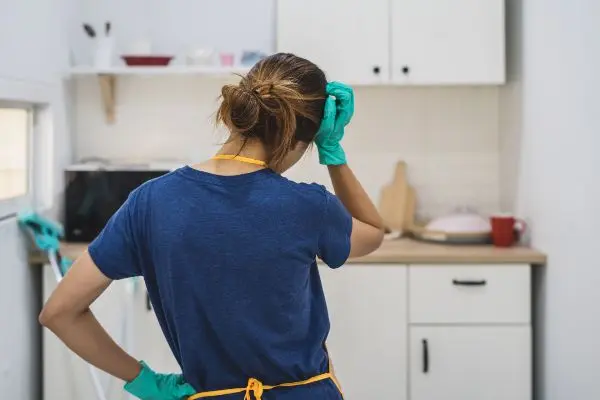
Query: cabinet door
448,42
470,363
472,294
368,339
348,39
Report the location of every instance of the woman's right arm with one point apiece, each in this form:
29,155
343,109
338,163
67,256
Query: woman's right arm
367,225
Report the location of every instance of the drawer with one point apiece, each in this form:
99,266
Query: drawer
469,294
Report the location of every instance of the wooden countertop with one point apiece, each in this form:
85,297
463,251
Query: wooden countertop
407,251
401,251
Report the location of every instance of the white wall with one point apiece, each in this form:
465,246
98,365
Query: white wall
511,108
556,144
448,136
29,40
32,55
33,59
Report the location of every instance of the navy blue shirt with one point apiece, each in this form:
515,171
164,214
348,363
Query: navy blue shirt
230,267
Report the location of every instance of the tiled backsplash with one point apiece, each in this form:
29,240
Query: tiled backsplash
448,136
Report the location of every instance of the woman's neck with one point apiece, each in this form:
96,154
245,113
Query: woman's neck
235,146
247,148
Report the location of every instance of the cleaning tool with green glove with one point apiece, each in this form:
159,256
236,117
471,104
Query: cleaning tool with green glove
339,109
46,235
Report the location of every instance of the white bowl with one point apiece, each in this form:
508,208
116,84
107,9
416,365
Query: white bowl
460,223
203,57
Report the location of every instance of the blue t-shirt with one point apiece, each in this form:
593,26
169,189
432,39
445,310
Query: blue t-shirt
230,267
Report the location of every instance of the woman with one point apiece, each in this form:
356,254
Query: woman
228,250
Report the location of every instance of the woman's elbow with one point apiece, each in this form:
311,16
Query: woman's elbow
51,315
365,239
46,317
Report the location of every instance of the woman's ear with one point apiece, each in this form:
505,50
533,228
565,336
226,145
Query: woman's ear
300,147
292,157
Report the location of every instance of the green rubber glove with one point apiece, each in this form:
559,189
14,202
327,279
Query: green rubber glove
339,108
149,385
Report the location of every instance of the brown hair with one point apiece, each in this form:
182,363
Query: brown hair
279,102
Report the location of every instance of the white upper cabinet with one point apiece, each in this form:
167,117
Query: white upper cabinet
348,39
443,42
403,42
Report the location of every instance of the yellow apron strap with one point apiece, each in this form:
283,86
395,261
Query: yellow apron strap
243,159
332,374
215,393
256,388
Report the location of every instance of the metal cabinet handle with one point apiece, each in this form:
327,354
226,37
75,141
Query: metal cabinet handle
148,302
425,356
459,282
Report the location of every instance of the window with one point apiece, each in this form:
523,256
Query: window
15,138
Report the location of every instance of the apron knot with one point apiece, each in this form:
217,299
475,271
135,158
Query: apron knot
254,387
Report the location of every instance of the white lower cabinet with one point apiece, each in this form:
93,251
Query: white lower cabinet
431,332
368,311
471,294
470,363
470,332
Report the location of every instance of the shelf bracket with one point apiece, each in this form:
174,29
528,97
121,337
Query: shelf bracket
108,84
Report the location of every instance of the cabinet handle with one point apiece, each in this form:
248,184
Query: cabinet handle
425,356
458,282
148,302
405,70
376,70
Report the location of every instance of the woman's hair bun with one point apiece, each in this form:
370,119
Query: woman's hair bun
279,102
239,110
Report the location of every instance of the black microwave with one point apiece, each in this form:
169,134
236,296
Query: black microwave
94,192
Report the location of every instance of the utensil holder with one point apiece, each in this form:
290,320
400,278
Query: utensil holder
103,52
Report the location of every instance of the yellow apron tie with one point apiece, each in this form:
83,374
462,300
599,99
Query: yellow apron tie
256,388
243,159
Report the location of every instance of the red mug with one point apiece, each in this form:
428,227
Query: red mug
503,230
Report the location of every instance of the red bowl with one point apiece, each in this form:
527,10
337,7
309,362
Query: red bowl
147,61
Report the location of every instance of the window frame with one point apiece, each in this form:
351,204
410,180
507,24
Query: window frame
46,100
11,206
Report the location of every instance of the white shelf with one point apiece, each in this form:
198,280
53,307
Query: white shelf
108,78
168,70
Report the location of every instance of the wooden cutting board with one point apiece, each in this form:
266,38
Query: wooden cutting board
411,208
392,205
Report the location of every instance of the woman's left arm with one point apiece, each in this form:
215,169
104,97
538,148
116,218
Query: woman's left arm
67,313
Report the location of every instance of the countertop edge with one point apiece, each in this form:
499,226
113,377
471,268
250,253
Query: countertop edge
403,251
466,260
